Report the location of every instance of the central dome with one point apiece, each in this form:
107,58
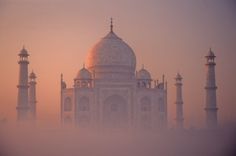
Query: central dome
111,56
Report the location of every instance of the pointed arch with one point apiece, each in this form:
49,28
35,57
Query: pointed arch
115,111
83,104
145,104
67,104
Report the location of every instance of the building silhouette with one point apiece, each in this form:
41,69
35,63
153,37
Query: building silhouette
179,102
26,100
210,105
108,92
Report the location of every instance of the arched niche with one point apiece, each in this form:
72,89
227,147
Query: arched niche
145,104
67,104
145,115
115,112
83,112
67,119
83,104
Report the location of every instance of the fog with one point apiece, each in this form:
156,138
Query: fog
167,36
25,140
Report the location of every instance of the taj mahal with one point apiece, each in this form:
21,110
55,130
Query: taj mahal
109,92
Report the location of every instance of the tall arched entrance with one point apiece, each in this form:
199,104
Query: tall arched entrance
145,113
115,112
83,112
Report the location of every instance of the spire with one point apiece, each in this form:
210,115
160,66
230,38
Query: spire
63,84
163,78
210,57
23,48
210,54
210,51
61,77
32,75
23,52
178,77
111,26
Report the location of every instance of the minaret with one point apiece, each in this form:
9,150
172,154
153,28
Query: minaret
179,102
63,86
22,101
32,95
211,108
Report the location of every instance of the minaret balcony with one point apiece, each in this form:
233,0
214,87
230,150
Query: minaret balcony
23,62
211,108
22,86
210,63
22,107
211,87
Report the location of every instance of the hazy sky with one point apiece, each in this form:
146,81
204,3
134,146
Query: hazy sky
167,36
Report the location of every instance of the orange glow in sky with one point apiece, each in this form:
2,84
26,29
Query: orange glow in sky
166,36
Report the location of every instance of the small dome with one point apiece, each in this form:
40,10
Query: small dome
143,74
32,75
210,53
178,77
84,74
24,52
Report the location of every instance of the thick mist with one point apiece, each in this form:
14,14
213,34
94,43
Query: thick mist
61,141
166,36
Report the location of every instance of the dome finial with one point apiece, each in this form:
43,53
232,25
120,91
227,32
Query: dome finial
111,24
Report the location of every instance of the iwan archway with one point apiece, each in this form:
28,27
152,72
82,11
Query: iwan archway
115,112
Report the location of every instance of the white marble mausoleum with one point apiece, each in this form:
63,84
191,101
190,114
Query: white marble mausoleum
108,92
